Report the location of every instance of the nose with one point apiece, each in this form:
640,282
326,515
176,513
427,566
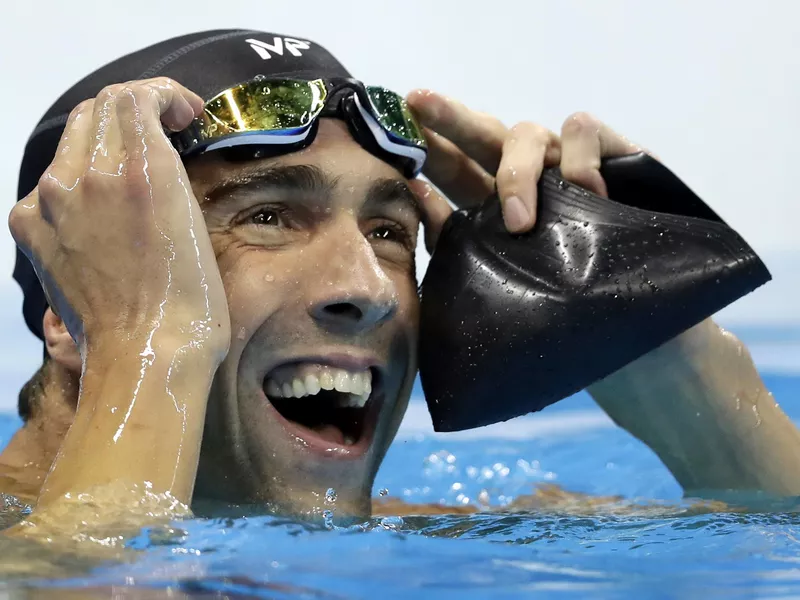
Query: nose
354,293
353,313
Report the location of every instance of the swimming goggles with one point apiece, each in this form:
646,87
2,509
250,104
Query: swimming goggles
282,115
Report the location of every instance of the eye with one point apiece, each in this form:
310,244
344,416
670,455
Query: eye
390,233
266,216
385,232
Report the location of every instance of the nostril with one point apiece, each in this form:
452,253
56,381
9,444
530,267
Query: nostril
345,310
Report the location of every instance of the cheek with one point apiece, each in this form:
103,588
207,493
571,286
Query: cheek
408,305
256,287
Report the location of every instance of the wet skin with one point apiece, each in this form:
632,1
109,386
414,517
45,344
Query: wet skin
316,252
243,278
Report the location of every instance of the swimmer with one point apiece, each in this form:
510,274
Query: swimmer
240,324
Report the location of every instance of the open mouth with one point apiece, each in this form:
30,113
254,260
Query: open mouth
327,405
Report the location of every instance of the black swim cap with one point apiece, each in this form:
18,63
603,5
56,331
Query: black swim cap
207,62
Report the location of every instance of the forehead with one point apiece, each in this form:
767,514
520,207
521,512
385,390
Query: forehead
334,151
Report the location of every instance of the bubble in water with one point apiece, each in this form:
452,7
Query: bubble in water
392,523
327,515
269,277
330,496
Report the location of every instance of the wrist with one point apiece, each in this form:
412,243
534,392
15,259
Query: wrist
115,369
207,343
140,415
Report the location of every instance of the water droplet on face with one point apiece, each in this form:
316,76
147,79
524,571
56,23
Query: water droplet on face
758,416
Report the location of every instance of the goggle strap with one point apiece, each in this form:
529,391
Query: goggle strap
267,138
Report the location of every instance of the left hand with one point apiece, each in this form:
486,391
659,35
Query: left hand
470,152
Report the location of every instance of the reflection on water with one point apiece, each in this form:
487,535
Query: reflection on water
623,529
494,555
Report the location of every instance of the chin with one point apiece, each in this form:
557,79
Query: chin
303,425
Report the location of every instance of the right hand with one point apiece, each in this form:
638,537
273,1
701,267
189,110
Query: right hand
113,229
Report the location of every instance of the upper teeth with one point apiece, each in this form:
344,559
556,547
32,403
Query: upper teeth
357,386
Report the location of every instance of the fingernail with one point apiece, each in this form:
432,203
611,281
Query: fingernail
515,214
428,107
419,94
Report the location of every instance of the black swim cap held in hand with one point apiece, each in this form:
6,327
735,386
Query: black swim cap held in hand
511,324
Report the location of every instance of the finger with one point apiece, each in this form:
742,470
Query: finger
143,109
107,152
22,220
69,164
528,149
435,211
72,150
32,234
585,141
478,135
462,179
174,117
151,161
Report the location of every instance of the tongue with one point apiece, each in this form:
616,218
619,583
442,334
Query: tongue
330,433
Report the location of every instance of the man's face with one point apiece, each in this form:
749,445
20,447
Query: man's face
316,252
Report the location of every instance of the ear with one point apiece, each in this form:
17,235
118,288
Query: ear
60,345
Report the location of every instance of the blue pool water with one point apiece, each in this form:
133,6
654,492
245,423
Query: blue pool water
547,553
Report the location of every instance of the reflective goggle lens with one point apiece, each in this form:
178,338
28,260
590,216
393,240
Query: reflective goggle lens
393,114
281,112
274,105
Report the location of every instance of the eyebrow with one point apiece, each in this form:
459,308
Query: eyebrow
304,178
310,179
386,191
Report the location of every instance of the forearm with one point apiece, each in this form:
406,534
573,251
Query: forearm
700,404
139,421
